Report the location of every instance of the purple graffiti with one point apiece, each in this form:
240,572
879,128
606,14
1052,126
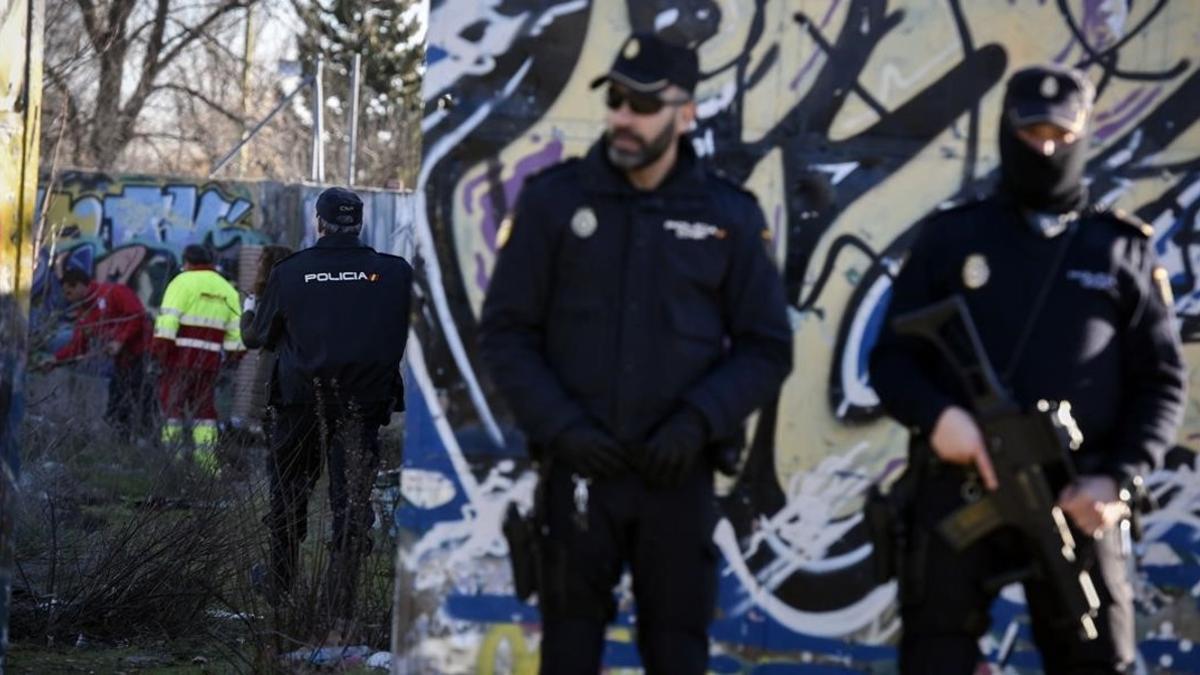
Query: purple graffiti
1121,105
494,213
1107,130
1097,27
812,60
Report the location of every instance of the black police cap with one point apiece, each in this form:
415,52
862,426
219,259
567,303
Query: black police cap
648,64
1061,96
339,206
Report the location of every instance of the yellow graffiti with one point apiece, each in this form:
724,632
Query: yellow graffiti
138,206
507,640
20,114
506,650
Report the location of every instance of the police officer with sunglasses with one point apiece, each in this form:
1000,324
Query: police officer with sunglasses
633,322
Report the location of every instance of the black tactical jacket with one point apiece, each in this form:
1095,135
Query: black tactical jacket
620,306
1105,340
336,313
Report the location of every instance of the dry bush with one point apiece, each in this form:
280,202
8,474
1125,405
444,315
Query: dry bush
119,542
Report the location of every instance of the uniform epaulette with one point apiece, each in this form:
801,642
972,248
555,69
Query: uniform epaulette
727,180
1128,219
289,256
553,169
958,207
392,255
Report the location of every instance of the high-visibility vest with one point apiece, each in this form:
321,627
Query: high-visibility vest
199,317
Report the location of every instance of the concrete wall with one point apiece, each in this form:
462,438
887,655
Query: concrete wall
850,126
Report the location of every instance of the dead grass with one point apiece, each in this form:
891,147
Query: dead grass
126,551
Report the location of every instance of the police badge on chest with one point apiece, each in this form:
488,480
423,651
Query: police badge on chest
975,271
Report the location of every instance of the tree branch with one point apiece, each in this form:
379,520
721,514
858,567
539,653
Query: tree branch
200,96
191,33
156,61
88,9
150,65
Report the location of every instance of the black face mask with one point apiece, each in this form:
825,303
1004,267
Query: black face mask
1051,184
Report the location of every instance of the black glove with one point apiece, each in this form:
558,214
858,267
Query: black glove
672,451
590,451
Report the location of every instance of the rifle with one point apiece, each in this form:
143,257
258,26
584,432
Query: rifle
1024,447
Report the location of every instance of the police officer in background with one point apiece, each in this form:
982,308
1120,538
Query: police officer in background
1071,305
337,316
634,319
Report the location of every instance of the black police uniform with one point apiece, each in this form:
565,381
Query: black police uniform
337,314
1104,340
619,307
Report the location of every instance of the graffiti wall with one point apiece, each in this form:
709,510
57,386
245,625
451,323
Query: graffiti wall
20,116
132,229
851,120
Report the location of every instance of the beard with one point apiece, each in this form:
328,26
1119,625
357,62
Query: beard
647,152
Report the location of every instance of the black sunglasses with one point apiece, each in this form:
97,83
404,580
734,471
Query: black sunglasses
640,104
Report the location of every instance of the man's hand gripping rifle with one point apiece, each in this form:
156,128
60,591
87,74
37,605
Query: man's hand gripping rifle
1025,448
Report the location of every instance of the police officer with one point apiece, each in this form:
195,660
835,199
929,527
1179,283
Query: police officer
634,319
337,316
1071,306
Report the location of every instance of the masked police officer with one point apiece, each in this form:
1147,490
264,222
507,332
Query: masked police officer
634,319
1071,305
337,316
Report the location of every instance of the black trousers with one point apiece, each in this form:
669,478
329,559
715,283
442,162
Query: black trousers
945,596
129,397
664,536
346,439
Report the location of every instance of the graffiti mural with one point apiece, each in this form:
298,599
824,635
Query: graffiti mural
851,120
133,229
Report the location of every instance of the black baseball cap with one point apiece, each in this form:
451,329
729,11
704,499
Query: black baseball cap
646,63
197,254
339,206
1061,96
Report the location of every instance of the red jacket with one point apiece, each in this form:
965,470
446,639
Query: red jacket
111,312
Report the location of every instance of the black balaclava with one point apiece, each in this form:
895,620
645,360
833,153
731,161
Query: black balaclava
1052,184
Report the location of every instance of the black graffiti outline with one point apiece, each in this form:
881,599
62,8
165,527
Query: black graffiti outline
808,122
1107,59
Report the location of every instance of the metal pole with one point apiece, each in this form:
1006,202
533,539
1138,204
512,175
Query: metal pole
258,127
319,123
354,84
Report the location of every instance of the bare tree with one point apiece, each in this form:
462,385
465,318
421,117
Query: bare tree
110,62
